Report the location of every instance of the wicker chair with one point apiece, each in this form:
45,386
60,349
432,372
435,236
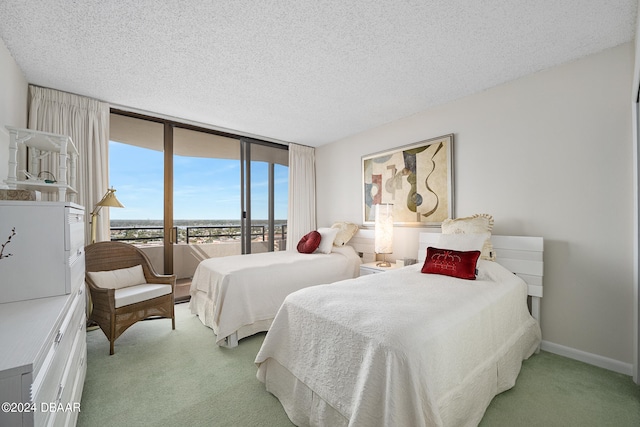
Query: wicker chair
112,309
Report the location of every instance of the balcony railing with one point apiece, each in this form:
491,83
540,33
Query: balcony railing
138,234
195,234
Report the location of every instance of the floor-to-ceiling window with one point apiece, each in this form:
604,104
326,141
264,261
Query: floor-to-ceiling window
192,193
136,171
206,187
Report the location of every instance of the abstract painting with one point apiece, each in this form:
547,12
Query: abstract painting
417,179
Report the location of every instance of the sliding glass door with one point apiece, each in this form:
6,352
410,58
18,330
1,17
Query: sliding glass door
206,198
265,195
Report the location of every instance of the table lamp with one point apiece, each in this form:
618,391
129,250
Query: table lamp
383,239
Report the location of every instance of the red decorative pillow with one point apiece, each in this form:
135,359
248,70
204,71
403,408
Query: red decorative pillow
460,264
309,243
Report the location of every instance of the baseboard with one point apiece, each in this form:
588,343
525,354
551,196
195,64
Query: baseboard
590,358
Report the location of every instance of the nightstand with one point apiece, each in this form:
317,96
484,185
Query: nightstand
372,268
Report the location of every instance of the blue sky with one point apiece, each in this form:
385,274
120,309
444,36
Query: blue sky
204,188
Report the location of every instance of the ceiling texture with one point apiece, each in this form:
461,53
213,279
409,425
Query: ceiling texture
304,71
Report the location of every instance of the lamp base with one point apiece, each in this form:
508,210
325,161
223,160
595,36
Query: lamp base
383,264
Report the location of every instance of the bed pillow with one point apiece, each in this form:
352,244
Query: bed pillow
309,242
346,230
475,224
326,243
460,264
117,279
463,242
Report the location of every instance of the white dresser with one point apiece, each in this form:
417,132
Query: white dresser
42,326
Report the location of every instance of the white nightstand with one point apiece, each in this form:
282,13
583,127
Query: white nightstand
372,268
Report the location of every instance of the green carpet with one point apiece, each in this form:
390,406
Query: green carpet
160,377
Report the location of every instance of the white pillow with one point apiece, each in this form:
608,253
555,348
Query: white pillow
463,242
478,223
327,235
116,279
346,230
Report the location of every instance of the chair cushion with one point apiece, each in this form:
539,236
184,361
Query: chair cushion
116,279
138,293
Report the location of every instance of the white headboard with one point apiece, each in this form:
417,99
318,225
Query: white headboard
520,254
363,243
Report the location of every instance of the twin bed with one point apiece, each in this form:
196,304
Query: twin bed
403,347
238,296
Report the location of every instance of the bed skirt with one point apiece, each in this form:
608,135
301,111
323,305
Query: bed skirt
203,307
305,408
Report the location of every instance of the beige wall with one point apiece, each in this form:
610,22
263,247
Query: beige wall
547,155
13,104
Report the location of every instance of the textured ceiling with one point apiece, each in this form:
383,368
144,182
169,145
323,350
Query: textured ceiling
306,71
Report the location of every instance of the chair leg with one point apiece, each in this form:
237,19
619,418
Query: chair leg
112,335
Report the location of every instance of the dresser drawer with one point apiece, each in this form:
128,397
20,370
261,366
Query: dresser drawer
78,383
75,215
66,397
74,237
76,275
46,385
75,254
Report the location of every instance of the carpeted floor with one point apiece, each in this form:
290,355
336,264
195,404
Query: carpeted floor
160,377
552,390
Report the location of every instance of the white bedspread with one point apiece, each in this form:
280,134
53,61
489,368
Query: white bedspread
232,292
404,348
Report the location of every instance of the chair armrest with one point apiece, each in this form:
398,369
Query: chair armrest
164,279
101,296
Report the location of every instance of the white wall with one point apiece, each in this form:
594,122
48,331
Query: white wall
13,104
547,155
634,128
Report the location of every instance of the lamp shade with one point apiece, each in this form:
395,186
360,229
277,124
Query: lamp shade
383,240
110,200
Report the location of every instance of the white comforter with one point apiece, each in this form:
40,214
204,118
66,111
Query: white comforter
404,348
233,292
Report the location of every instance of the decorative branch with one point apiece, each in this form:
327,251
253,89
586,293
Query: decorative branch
13,233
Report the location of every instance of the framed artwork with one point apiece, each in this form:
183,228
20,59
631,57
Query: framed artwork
417,179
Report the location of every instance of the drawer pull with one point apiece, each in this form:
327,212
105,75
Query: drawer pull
59,396
58,337
81,362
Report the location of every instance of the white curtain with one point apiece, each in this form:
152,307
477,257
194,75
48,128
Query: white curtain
302,194
86,121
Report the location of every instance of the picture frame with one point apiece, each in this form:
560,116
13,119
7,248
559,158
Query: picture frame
417,179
